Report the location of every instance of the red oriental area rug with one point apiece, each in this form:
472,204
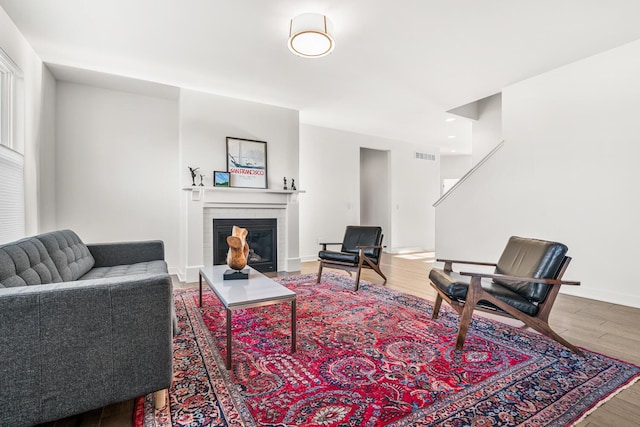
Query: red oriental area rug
371,358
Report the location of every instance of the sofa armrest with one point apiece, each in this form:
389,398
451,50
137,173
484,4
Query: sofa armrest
70,347
123,253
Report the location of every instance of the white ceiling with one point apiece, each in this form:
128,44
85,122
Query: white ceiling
397,68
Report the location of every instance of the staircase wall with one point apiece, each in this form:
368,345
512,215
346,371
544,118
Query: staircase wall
568,172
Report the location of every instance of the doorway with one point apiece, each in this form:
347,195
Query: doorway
375,203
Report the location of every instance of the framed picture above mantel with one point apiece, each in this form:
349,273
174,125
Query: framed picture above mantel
247,163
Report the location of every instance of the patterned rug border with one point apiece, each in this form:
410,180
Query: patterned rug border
227,396
613,394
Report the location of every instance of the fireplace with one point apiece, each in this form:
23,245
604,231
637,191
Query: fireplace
262,239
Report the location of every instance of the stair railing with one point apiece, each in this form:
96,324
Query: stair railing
468,174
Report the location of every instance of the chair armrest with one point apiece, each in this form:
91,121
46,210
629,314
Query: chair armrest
452,261
362,248
123,253
449,262
324,245
521,279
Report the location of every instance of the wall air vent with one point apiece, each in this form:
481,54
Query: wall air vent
425,156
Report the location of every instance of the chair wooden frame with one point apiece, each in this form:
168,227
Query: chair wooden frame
363,262
475,293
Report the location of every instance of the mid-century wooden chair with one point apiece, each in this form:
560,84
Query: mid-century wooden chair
524,285
361,248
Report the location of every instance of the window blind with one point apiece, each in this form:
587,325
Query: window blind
12,224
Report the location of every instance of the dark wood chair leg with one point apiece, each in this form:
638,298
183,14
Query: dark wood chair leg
558,338
545,329
358,275
376,268
553,335
436,307
465,320
473,295
319,273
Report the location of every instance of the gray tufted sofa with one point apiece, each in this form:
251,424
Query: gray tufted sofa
81,326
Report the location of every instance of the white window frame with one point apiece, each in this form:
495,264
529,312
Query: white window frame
12,191
10,74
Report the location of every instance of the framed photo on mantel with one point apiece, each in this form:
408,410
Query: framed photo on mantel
247,163
220,179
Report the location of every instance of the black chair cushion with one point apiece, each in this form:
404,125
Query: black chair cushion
530,258
345,257
456,286
338,256
355,236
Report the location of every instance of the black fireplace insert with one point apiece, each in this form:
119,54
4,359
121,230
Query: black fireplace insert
262,239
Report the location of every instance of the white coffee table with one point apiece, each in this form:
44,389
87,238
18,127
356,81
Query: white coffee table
256,291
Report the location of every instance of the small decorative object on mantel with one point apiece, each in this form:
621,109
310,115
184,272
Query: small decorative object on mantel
237,255
193,175
285,183
201,179
220,179
293,184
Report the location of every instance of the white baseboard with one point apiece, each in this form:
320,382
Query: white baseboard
605,296
293,264
190,274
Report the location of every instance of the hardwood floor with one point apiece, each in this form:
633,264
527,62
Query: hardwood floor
606,328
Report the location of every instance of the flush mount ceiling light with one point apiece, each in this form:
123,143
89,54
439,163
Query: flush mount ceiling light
311,35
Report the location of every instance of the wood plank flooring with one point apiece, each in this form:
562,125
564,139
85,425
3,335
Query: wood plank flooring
606,328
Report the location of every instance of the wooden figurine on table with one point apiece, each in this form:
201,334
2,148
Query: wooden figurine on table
238,248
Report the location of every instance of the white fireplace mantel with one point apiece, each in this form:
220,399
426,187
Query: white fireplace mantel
199,204
198,188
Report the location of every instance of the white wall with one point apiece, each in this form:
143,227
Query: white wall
486,131
330,174
453,167
374,188
47,157
567,172
36,84
117,176
206,120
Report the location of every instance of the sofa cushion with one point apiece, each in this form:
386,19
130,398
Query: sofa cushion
71,257
150,267
26,262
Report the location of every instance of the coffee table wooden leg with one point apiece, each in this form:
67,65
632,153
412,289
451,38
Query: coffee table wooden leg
228,339
200,281
293,326
160,397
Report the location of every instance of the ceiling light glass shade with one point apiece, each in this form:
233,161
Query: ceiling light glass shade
311,35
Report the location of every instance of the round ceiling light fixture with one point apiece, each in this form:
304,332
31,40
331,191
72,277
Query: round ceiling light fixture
311,35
